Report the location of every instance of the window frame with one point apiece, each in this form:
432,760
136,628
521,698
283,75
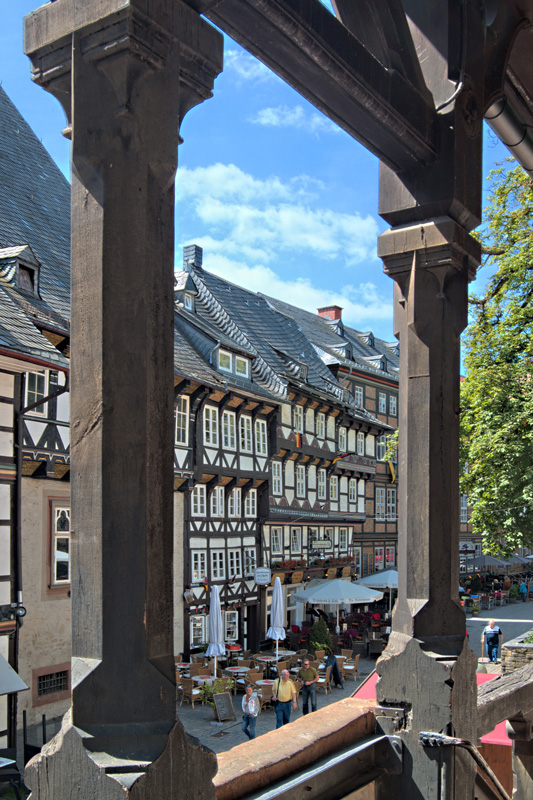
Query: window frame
361,496
181,415
229,430
393,405
298,419
235,503
380,504
379,558
32,395
235,568
276,536
250,504
57,506
334,494
245,434
296,542
392,500
231,626
359,396
360,443
250,562
321,488
210,426
230,356
198,574
201,621
198,500
352,490
218,564
240,359
277,480
320,425
463,508
390,556
381,447
382,403
343,540
300,481
343,436
261,438
217,502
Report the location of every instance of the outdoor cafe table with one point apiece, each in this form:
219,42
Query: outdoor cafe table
237,670
265,682
286,653
182,665
233,650
202,678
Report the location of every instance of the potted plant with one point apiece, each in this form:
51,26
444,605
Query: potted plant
513,593
319,637
209,689
475,609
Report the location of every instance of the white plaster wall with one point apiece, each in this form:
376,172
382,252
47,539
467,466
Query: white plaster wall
45,637
330,428
310,421
6,415
286,415
289,474
178,571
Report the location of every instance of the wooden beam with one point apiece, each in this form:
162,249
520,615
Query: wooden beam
504,698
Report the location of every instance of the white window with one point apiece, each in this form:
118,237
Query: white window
352,490
378,558
300,481
229,441
225,360
188,301
36,389
60,544
231,626
198,500
464,508
391,503
211,426
296,540
381,448
393,406
250,503
235,563
321,484
320,426
275,540
181,414
334,488
250,561
360,443
390,556
241,366
199,565
342,440
382,403
298,419
217,502
277,486
234,503
343,539
198,630
245,434
218,571
380,503
359,396
261,447
361,489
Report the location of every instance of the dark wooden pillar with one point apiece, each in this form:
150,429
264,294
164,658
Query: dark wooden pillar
126,73
520,730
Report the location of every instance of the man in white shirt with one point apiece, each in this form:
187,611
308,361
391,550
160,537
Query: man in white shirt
250,710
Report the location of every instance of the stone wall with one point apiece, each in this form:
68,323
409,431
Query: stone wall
516,654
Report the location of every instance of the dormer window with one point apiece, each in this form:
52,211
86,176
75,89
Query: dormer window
230,362
20,268
26,279
241,366
188,301
224,361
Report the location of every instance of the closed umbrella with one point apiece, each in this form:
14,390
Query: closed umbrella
336,592
277,615
385,579
216,645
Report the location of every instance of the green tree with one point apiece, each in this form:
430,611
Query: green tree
496,396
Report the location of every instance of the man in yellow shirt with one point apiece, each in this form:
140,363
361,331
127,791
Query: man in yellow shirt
284,691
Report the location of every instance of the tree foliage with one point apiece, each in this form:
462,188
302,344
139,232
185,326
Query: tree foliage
496,395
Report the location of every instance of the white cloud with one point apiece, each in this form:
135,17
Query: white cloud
246,67
295,117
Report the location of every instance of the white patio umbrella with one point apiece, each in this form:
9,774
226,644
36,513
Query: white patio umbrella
336,592
277,615
216,645
384,579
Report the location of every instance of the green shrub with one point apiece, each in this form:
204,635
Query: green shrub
319,638
529,638
209,689
513,591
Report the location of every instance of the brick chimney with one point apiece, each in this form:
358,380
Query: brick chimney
193,253
331,312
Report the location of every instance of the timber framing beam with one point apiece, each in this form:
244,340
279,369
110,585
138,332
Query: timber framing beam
504,698
319,57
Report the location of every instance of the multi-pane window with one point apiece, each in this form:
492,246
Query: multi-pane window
36,390
231,626
229,440
361,496
464,508
275,540
250,503
380,503
334,488
320,425
277,486
382,447
300,481
241,366
52,683
352,490
181,435
357,560
342,440
382,403
250,560
391,503
359,396
245,434
378,558
393,406
328,537
390,556
234,563
296,540
217,502
321,484
343,539
360,443
261,447
218,572
198,630
234,503
198,500
298,419
225,360
60,544
211,426
198,565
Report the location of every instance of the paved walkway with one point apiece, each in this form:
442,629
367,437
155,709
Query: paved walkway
514,619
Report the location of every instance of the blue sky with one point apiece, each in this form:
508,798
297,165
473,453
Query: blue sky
281,200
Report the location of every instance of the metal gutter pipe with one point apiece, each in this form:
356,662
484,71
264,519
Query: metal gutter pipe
514,133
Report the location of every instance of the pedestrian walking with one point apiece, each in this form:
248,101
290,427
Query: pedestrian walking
250,710
308,677
284,696
491,637
523,591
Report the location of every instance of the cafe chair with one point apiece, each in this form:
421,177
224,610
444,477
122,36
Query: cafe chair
244,662
348,655
351,669
323,683
189,691
320,655
265,694
281,666
196,669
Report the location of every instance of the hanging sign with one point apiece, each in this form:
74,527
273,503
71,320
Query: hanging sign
263,576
